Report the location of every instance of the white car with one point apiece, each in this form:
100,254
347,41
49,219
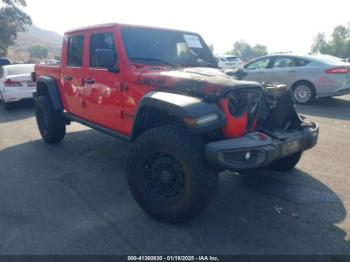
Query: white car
16,83
229,62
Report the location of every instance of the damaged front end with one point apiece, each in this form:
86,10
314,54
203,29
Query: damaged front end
269,108
262,126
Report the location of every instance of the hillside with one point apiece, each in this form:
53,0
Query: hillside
35,36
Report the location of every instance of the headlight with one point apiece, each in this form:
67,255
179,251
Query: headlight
207,119
201,120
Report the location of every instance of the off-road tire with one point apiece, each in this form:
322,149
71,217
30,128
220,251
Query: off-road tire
200,183
51,123
286,163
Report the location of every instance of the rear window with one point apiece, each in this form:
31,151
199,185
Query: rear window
19,70
75,51
281,62
302,62
232,58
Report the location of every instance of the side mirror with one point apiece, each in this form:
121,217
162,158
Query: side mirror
106,58
238,73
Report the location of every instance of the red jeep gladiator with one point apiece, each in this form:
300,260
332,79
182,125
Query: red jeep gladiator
186,120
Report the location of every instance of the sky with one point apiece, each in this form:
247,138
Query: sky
281,25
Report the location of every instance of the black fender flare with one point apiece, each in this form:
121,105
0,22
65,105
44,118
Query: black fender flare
52,89
181,107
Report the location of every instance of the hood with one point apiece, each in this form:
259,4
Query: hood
195,80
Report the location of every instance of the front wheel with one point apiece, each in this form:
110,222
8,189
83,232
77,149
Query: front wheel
167,174
286,163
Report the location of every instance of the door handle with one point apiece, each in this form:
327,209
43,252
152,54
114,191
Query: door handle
89,81
68,78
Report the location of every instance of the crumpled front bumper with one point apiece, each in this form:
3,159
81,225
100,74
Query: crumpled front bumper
259,149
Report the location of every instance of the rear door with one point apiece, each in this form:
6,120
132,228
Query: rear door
287,70
284,70
102,89
72,70
258,70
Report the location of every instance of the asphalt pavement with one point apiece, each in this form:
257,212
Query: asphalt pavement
73,198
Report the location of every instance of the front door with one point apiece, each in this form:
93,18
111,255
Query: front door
102,91
258,70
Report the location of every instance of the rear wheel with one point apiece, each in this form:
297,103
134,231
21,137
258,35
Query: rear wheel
7,106
286,163
304,93
168,176
51,123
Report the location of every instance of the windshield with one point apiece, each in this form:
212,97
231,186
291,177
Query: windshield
232,58
162,47
19,70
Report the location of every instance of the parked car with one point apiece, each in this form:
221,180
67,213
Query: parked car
229,62
186,120
309,77
16,83
4,61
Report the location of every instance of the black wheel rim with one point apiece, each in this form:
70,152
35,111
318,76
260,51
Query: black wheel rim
164,178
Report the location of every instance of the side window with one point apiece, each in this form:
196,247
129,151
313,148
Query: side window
302,62
75,51
260,64
281,62
102,43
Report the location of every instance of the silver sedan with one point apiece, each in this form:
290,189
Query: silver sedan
309,77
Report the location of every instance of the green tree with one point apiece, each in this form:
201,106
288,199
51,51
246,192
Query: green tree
246,52
12,20
339,44
38,51
259,50
340,41
321,45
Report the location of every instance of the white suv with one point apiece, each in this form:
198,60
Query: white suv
229,62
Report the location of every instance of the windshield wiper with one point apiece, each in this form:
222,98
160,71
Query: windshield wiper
153,59
203,62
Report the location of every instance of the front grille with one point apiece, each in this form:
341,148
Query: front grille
244,108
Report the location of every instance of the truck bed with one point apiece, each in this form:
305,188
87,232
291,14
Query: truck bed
48,70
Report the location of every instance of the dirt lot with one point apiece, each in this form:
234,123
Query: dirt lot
73,198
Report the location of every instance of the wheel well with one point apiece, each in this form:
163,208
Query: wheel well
148,118
307,82
42,89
